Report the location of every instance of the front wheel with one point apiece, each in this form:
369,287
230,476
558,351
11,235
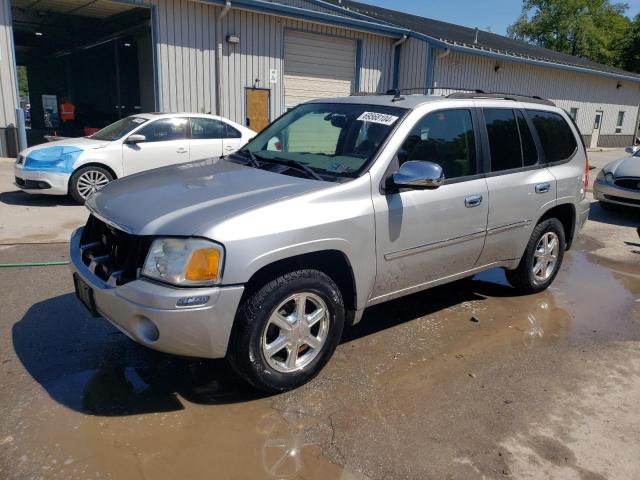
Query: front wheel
542,258
287,330
87,180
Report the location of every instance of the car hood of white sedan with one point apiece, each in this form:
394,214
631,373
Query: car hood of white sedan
81,143
188,199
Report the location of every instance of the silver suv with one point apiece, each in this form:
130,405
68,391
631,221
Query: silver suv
265,255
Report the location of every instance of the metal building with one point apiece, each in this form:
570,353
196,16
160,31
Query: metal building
250,60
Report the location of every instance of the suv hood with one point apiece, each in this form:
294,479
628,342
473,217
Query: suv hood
189,198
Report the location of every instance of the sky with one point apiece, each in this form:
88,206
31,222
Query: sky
495,15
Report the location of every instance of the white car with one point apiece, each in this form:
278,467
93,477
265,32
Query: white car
80,166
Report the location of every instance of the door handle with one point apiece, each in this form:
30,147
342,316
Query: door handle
229,149
543,187
472,201
182,150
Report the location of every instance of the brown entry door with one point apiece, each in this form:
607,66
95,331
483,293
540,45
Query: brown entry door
257,108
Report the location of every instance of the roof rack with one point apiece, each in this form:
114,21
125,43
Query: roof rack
472,93
503,96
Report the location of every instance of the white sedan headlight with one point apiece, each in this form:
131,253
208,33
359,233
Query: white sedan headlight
184,261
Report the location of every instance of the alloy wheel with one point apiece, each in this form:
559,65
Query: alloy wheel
91,181
295,332
545,258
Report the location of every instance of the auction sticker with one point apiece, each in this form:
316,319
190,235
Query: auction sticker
381,118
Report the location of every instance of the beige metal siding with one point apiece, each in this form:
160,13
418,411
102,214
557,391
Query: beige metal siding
413,64
8,87
567,89
317,66
189,33
186,48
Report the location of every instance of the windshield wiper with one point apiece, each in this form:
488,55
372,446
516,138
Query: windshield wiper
296,165
253,160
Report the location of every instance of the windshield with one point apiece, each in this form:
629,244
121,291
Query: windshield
119,129
336,139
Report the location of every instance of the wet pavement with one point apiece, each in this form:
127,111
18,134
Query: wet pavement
463,381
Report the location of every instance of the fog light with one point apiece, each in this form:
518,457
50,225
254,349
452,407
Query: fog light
192,301
147,330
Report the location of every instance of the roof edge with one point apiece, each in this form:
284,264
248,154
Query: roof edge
519,59
365,23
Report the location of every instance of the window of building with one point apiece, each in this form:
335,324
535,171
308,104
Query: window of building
445,137
573,113
165,130
620,122
557,138
504,139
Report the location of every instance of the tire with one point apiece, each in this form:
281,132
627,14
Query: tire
524,278
257,327
87,180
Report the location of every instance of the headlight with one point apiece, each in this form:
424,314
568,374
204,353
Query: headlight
605,177
184,261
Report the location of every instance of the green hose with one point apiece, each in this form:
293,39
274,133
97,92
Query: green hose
32,264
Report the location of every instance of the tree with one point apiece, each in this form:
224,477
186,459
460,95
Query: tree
631,54
594,29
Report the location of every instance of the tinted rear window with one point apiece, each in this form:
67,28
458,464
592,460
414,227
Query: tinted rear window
558,141
504,139
529,153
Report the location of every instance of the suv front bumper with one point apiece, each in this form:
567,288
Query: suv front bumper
146,311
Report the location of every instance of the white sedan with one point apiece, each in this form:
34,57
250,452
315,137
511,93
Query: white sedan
80,166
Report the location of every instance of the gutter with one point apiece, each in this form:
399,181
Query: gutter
396,60
218,62
315,16
514,58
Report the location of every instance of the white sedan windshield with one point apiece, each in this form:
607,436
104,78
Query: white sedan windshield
118,129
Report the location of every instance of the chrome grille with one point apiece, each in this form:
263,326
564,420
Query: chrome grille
629,183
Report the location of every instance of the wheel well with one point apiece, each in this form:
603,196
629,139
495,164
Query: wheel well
95,164
331,262
566,214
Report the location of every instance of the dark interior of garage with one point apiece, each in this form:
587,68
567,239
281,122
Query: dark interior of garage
98,59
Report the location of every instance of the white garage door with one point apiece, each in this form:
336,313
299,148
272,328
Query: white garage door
317,66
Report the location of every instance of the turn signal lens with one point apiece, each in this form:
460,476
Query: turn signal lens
203,265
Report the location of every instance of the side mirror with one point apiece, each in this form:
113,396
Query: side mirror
136,138
418,174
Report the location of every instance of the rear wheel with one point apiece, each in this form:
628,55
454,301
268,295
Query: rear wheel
287,330
542,258
87,180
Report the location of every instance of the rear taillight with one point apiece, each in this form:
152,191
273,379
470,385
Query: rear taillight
586,174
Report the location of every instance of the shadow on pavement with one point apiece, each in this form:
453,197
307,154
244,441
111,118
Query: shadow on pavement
18,197
623,216
89,366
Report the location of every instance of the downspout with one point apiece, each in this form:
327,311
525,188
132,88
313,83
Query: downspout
431,63
219,46
396,60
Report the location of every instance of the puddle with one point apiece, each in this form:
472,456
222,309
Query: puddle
408,389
